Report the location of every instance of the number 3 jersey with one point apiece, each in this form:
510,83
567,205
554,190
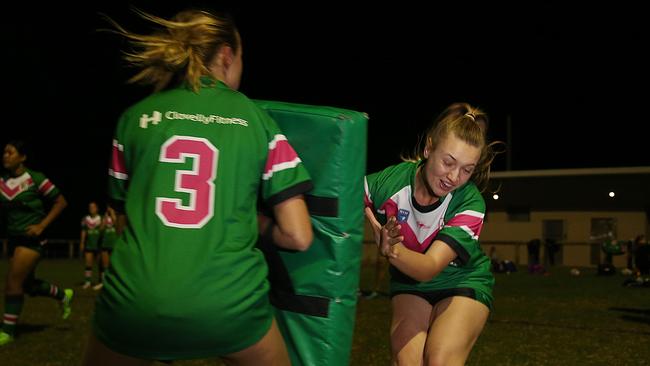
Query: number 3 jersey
456,219
189,169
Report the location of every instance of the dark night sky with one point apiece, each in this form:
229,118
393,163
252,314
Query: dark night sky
572,81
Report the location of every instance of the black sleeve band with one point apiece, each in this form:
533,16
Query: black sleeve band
292,191
463,256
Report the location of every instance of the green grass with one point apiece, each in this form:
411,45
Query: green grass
537,320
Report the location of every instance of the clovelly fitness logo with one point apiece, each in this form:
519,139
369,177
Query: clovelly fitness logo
402,215
155,118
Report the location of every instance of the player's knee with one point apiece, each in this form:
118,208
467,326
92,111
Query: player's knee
436,358
15,283
442,356
407,356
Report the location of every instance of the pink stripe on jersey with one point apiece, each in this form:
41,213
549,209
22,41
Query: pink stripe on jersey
118,167
410,239
46,187
10,193
367,202
390,208
472,222
281,156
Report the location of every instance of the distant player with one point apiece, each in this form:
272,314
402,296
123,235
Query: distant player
189,163
109,236
89,242
25,196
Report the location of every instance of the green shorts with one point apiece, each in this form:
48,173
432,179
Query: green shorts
143,329
33,243
435,296
108,241
92,244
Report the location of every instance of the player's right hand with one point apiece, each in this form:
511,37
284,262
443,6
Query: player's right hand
385,236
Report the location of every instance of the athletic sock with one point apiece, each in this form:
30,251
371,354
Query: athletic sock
13,307
88,274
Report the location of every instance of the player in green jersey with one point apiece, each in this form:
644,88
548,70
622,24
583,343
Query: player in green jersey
24,196
427,215
189,163
109,236
89,242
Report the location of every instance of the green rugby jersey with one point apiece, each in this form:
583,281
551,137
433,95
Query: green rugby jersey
189,168
91,225
24,198
455,219
110,235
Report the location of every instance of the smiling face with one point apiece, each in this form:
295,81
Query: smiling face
449,165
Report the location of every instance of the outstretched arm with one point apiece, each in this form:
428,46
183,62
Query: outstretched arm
422,266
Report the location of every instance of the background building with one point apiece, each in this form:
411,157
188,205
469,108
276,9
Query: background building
577,208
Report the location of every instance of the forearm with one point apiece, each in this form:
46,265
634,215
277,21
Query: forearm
292,227
287,240
420,267
59,204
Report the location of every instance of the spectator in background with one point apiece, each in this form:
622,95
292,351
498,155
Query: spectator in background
552,247
497,266
642,255
533,256
631,250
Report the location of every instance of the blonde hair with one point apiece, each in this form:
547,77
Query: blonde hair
469,124
181,51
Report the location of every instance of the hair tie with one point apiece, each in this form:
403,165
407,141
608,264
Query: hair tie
471,115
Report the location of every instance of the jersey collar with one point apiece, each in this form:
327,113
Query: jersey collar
210,82
416,205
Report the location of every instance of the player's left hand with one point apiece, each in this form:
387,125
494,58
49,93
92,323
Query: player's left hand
34,230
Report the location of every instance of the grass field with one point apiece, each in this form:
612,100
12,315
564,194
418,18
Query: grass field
537,320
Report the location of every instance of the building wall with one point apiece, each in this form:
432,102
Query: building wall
509,238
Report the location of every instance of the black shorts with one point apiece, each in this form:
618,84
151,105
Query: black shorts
433,297
31,242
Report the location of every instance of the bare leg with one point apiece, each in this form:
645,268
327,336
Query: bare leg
464,318
97,354
89,261
106,257
408,330
269,351
20,266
